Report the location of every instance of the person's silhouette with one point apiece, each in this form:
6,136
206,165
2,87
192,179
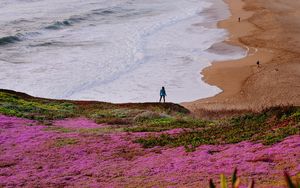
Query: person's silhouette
163,94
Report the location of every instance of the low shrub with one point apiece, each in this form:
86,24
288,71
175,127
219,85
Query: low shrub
236,181
61,142
13,105
267,127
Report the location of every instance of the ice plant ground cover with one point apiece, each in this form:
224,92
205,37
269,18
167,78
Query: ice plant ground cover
51,143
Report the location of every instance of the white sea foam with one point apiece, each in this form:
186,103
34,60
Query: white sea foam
111,50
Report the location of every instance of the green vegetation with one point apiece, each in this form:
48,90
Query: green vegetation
268,127
159,124
61,142
13,105
86,131
22,105
59,129
290,183
236,181
113,116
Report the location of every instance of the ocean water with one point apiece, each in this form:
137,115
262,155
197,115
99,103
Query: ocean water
111,50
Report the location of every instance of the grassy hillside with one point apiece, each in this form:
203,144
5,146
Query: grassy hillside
269,126
60,143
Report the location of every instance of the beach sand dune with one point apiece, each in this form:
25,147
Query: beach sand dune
270,31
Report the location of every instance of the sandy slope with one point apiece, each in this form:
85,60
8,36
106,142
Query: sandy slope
270,30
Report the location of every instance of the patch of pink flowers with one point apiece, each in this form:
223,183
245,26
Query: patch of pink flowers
29,158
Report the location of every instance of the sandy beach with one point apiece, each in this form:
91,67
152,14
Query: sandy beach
269,31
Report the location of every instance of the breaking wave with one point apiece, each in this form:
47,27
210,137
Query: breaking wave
59,25
9,40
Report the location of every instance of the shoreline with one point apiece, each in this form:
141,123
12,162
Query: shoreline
240,79
161,51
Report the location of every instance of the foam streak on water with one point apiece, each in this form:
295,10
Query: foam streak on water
110,50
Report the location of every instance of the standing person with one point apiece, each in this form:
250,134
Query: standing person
257,63
163,94
239,19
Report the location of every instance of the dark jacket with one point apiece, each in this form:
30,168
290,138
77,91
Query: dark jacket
163,92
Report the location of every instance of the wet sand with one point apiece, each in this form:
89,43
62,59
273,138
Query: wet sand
270,31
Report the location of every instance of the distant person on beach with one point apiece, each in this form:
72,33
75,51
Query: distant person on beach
239,19
258,64
163,94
